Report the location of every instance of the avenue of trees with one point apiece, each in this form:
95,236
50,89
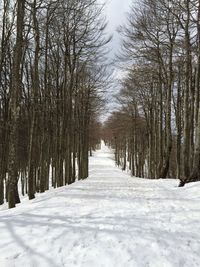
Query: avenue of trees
157,129
51,80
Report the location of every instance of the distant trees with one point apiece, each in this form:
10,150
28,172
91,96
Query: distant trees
126,132
51,80
161,88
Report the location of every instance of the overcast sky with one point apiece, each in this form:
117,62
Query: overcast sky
116,11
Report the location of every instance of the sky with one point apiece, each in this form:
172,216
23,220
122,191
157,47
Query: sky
116,13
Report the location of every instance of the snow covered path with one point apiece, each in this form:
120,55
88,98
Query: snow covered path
108,220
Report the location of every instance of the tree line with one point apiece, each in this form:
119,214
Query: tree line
51,80
157,128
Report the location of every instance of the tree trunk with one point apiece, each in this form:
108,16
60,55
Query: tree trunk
15,105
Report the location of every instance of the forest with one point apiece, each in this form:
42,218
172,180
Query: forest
157,127
53,80
99,133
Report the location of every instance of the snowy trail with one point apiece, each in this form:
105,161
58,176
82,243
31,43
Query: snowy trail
108,220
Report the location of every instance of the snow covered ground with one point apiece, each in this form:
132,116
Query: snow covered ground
108,220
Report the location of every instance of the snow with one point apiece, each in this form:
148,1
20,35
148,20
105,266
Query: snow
108,220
